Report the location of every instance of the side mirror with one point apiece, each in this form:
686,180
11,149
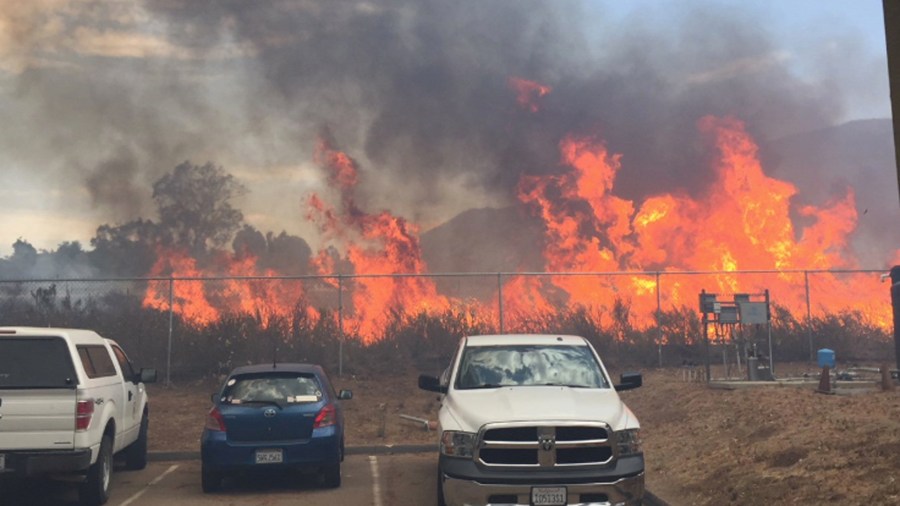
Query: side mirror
629,380
345,395
147,376
431,384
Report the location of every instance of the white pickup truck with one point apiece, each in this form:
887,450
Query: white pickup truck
534,420
69,400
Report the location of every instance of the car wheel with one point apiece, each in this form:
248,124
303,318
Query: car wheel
136,454
95,489
331,476
210,480
440,488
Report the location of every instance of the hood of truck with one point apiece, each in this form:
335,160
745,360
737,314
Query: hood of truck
469,410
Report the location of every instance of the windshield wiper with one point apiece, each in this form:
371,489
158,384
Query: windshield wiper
551,384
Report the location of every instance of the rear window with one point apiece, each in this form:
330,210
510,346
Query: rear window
41,362
280,388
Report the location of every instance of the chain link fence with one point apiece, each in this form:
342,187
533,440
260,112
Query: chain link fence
189,327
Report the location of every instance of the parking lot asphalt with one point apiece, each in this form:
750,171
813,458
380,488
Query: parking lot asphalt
381,476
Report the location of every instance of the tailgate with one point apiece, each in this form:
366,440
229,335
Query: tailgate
263,423
37,393
37,419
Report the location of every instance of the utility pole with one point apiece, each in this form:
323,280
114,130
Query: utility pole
895,303
892,39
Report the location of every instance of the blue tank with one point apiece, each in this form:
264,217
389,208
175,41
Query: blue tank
826,357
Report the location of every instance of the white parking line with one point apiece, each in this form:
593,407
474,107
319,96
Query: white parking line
376,487
156,480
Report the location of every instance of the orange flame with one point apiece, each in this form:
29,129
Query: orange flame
742,224
201,302
374,244
188,298
528,92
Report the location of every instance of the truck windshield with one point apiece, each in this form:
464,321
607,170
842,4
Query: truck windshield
528,365
42,362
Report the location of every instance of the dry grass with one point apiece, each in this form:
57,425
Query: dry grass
767,445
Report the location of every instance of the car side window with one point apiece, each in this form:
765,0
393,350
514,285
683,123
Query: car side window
124,363
96,361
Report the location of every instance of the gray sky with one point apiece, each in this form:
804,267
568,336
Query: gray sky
102,97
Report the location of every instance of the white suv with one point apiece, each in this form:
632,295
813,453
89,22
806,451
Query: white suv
69,400
535,420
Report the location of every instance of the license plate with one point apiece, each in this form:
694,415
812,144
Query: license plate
548,496
268,456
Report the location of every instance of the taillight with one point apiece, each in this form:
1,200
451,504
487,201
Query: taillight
84,411
214,420
326,417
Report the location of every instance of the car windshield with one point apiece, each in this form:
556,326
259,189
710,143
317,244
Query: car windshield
278,389
511,365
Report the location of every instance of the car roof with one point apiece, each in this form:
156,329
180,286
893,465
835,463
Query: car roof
279,367
75,335
538,339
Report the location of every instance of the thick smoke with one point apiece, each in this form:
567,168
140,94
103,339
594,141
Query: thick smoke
416,90
424,86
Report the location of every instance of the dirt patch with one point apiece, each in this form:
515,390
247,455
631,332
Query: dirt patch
703,446
372,416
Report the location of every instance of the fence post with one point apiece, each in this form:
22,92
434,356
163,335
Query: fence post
659,338
769,328
500,298
895,306
340,325
171,319
812,352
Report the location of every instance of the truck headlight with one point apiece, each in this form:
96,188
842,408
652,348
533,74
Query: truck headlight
457,444
629,442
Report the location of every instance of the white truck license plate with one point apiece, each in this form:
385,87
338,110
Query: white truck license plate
548,496
268,456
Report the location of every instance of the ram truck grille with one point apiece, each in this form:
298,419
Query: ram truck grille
545,446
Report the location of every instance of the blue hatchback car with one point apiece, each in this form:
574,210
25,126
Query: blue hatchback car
274,416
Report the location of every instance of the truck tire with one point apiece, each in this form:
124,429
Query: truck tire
136,453
95,489
440,488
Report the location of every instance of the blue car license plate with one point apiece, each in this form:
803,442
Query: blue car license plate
269,456
548,496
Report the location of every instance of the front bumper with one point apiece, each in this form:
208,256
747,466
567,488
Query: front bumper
464,483
220,454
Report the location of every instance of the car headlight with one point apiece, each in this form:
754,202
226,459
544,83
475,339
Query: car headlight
457,444
629,442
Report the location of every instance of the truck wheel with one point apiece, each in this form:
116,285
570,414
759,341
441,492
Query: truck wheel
210,480
440,488
136,454
95,489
